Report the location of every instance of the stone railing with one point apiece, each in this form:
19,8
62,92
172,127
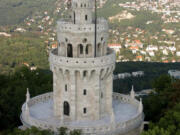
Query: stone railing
119,127
68,26
126,99
62,61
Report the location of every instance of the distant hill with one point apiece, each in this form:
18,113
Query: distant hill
15,11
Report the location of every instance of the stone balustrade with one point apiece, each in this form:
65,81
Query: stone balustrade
74,63
68,26
119,127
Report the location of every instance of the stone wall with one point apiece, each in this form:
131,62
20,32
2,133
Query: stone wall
78,35
73,76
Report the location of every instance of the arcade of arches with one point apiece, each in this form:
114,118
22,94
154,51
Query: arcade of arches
81,50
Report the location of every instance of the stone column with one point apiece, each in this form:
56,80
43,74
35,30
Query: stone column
97,94
109,88
73,95
84,51
54,92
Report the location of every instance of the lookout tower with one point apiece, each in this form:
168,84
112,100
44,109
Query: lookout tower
82,76
82,96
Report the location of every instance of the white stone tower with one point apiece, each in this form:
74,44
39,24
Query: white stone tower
82,81
82,96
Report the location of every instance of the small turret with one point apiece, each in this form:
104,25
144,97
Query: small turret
27,108
26,112
27,96
82,11
132,94
140,108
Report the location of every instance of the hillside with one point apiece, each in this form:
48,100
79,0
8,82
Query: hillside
16,11
147,35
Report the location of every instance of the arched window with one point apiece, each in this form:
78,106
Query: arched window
99,46
99,49
66,108
84,5
84,73
86,17
87,49
84,40
81,49
66,87
69,50
84,110
74,17
84,92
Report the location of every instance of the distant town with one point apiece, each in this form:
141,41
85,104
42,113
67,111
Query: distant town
157,39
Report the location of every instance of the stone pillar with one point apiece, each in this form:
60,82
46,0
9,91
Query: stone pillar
75,51
54,93
97,94
73,102
84,51
27,95
109,88
132,93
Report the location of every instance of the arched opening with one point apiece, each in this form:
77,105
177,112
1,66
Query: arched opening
89,49
81,49
99,49
84,110
69,50
66,87
86,17
84,40
84,92
84,73
74,17
66,108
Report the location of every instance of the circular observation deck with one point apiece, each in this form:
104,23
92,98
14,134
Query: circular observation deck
82,63
66,25
127,118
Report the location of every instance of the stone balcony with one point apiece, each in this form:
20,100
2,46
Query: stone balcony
68,26
81,63
127,116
